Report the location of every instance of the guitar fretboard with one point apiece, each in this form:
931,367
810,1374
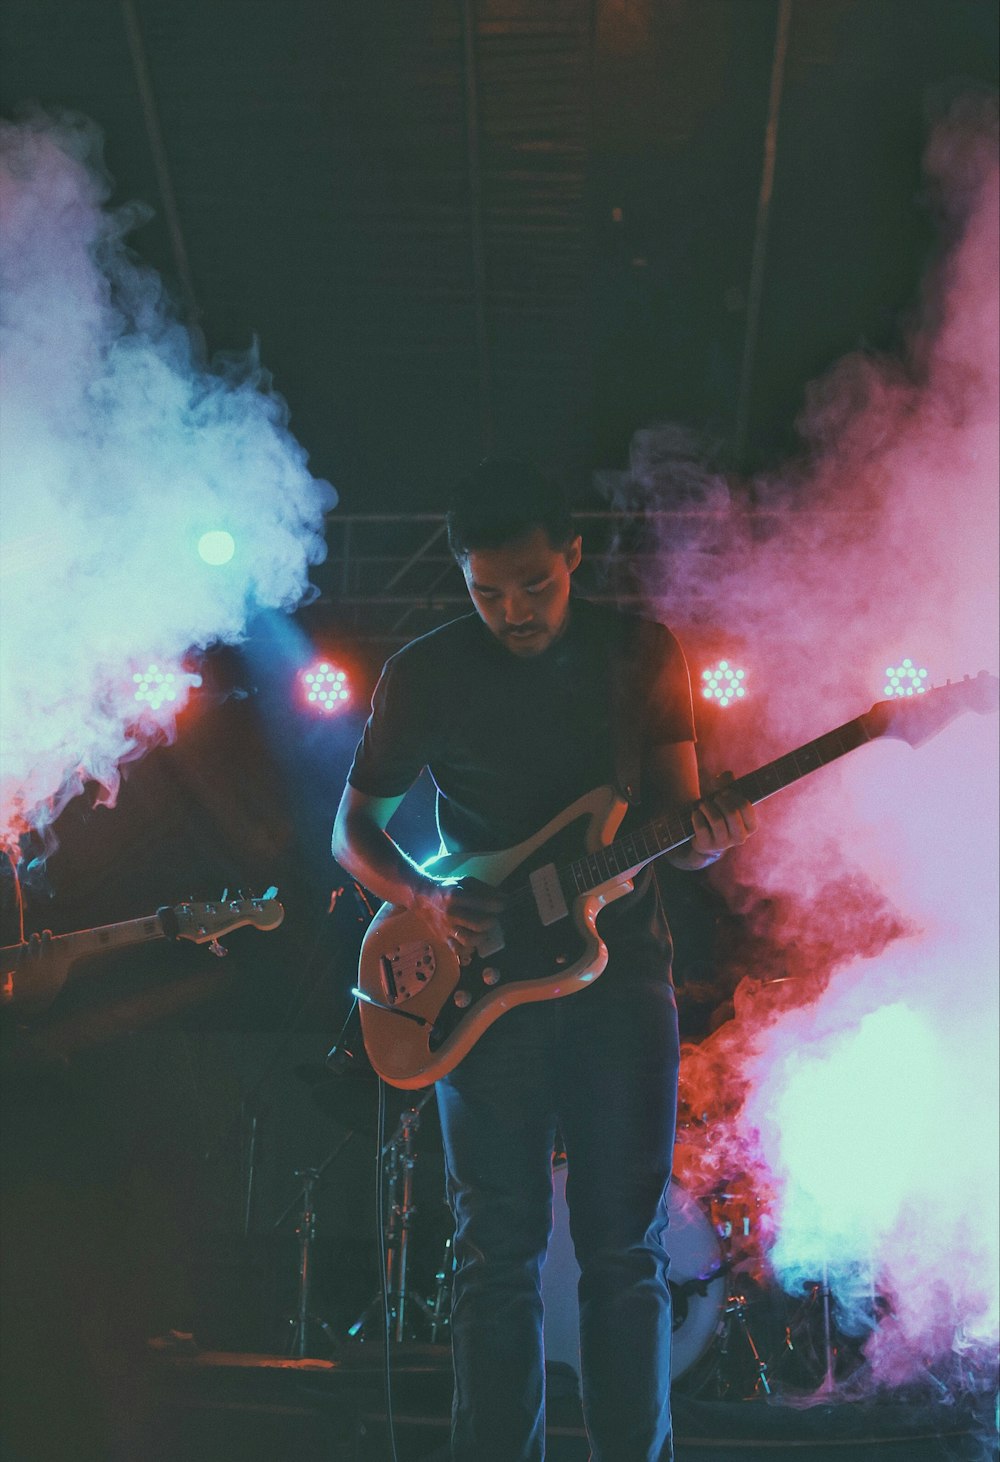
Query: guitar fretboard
110,936
632,851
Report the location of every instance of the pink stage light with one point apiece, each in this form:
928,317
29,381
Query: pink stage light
325,688
723,683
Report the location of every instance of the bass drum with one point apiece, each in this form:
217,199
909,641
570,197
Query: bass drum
697,1288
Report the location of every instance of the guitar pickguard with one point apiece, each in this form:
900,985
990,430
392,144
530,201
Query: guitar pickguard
532,950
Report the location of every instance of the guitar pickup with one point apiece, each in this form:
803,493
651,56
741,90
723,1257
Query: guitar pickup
550,901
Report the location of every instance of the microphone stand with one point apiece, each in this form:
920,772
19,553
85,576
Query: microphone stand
305,1232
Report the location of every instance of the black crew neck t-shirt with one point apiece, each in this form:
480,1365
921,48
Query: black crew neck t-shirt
511,741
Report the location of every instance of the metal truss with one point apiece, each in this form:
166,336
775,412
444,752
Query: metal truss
390,576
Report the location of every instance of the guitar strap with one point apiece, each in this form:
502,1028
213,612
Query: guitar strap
632,664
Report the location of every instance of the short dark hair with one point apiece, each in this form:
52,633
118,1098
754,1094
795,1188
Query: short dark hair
502,500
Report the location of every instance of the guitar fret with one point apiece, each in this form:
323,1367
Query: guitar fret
768,778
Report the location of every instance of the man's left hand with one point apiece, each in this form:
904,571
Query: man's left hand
723,819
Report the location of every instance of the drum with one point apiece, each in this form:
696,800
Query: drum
694,1256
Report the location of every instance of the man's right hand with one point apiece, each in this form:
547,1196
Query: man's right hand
459,912
456,911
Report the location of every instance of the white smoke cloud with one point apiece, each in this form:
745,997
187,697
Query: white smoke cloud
119,450
873,1114
868,1114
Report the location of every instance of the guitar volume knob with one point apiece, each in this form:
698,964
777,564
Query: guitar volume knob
462,999
491,976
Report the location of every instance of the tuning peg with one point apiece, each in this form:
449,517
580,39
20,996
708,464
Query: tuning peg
225,895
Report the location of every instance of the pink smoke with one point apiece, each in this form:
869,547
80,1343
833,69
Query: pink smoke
861,1093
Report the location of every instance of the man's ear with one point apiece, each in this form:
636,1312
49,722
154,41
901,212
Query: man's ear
574,553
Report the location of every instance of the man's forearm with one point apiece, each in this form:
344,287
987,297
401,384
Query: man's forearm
371,856
690,860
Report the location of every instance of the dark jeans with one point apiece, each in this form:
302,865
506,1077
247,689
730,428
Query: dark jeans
602,1066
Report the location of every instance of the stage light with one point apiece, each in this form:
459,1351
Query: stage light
905,679
155,687
325,688
216,547
723,683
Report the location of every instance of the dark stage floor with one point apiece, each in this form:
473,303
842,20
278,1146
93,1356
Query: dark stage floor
224,1406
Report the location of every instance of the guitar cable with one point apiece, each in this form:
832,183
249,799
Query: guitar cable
384,1270
339,1056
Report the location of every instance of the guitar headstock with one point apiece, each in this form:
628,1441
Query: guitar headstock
202,923
916,719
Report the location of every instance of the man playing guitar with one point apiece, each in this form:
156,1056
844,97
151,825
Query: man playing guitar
517,710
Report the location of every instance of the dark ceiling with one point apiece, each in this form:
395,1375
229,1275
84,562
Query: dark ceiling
520,224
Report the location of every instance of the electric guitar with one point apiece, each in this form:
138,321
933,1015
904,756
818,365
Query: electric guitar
32,974
422,1010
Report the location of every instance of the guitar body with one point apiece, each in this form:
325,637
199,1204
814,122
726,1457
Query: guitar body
524,959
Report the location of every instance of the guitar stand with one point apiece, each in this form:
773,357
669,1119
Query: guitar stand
399,1159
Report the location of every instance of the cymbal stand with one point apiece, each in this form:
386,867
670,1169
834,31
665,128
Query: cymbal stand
399,1157
735,1312
443,1279
829,1353
305,1232
814,1342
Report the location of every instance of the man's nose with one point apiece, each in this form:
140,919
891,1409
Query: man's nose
516,614
516,611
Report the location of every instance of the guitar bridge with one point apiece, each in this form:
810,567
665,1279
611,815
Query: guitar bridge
406,970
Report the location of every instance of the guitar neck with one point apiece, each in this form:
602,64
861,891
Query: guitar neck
639,847
109,936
